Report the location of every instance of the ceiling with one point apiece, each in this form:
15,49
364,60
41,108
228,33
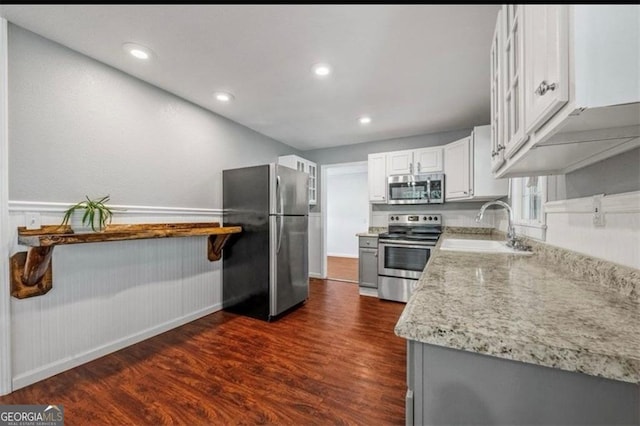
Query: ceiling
414,69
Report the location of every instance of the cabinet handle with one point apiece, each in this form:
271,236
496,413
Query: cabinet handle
545,87
493,154
411,168
465,192
418,167
500,148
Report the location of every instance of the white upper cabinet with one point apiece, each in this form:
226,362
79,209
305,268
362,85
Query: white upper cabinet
467,169
377,177
423,160
570,87
400,163
306,166
547,49
428,160
458,169
496,82
512,80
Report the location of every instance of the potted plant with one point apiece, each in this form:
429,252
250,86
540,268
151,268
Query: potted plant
95,218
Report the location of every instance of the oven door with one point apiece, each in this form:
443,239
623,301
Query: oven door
402,259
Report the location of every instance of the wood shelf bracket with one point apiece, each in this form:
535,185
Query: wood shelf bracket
31,272
215,243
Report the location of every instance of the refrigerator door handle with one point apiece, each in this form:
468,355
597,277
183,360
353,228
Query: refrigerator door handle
280,196
280,205
281,225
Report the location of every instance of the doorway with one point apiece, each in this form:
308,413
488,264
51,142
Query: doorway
346,214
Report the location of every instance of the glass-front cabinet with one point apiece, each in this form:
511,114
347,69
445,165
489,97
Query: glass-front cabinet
306,166
513,87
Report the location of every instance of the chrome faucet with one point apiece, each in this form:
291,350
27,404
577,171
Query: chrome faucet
511,231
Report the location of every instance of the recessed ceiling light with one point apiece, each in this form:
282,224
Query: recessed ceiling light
321,70
223,96
365,119
138,51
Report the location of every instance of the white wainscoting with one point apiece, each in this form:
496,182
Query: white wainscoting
109,295
570,226
315,245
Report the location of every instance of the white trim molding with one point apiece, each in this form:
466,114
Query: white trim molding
5,235
628,202
55,207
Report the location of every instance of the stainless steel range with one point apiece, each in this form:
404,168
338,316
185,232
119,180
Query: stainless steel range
403,253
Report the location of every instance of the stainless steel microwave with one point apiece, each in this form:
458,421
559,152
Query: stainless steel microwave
416,189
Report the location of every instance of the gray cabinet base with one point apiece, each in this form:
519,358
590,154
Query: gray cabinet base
457,387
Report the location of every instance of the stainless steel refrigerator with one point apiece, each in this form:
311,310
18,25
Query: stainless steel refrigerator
265,269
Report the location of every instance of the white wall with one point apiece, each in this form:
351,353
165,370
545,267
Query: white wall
347,208
79,127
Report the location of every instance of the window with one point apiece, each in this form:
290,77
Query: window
528,195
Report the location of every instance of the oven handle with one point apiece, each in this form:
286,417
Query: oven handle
382,245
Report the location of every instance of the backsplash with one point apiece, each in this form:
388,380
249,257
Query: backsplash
570,226
464,218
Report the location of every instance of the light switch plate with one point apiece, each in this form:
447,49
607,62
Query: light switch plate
32,220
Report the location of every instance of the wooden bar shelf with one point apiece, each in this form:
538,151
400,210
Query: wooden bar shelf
31,270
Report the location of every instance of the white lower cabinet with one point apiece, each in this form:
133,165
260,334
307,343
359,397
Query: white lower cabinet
458,170
467,169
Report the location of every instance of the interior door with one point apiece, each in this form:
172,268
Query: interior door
290,285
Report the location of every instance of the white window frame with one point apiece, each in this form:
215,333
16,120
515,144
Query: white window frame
532,228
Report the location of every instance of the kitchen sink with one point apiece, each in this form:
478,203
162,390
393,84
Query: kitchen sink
479,246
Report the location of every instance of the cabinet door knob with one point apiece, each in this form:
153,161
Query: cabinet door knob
545,87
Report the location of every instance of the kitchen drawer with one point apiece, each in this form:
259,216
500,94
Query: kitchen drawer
371,242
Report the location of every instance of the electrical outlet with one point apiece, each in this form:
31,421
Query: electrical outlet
32,220
598,214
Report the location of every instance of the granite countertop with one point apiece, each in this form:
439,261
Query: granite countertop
529,309
372,232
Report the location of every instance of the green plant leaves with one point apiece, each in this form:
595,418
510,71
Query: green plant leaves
91,209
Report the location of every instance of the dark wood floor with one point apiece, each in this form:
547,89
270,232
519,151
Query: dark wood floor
342,268
335,360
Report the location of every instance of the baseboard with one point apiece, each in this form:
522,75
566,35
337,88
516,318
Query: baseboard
370,292
82,358
315,275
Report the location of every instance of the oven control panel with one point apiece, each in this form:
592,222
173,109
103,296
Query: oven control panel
415,219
